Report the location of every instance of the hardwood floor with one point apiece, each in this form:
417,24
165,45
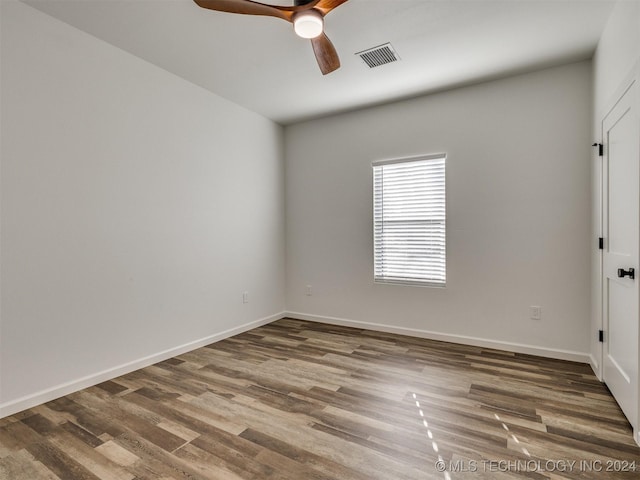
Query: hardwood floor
295,400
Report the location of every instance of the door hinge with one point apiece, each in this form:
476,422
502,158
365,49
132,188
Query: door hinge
600,148
601,243
601,336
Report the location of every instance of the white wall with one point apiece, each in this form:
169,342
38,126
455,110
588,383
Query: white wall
615,59
618,51
136,209
518,193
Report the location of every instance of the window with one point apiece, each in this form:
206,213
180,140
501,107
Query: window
409,237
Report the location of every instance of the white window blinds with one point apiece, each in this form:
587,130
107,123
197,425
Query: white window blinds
409,220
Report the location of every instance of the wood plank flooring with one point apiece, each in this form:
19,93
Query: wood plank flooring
295,400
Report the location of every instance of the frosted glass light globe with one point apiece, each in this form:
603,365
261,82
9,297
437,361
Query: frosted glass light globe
308,24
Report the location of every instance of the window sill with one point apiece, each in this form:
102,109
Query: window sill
410,283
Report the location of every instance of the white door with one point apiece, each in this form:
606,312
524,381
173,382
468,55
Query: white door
621,227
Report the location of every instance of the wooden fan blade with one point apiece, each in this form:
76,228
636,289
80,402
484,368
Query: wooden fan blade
326,54
249,7
325,6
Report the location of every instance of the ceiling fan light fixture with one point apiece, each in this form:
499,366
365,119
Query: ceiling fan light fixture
308,24
307,17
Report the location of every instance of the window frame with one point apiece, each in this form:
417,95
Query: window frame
409,281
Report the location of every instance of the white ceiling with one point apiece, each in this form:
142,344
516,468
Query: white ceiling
259,63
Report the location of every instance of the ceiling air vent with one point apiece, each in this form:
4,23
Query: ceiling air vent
380,55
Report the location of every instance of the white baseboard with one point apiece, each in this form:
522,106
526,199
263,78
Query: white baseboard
595,366
447,337
20,404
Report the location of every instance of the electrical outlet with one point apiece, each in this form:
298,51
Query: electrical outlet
309,291
536,312
245,297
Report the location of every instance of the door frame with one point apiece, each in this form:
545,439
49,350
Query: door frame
597,355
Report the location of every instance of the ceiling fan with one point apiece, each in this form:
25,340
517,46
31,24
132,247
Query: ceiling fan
307,17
